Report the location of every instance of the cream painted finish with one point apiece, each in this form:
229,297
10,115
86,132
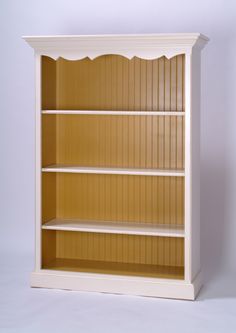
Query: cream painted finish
111,227
148,46
125,108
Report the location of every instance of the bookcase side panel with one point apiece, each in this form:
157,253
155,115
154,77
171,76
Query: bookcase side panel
188,164
38,161
192,166
195,156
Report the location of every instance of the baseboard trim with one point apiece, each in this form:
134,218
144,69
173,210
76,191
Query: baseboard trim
117,284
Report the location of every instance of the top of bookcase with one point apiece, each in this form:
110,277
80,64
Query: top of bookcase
146,46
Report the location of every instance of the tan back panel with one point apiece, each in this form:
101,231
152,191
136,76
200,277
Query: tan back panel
116,268
114,254
49,83
48,247
114,141
49,196
113,82
163,251
113,198
120,198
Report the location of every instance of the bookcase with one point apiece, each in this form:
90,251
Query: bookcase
117,163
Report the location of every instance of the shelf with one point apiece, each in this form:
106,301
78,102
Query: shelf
116,268
113,171
115,113
127,228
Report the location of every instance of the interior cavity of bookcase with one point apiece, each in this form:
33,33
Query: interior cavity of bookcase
68,112
149,85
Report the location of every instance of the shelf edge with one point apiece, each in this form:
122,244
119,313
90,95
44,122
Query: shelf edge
115,113
114,229
111,171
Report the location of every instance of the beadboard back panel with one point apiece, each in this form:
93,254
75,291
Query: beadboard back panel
153,142
131,253
112,82
158,200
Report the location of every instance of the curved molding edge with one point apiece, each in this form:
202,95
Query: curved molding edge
76,55
141,46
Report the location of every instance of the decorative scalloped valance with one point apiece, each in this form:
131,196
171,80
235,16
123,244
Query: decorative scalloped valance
151,46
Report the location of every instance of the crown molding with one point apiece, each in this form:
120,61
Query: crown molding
148,46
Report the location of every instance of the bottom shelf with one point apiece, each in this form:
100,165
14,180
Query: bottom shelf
130,269
117,254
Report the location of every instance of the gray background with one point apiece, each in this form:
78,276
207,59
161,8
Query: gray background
23,309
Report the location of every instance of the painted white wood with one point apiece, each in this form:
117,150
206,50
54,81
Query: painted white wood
115,113
192,165
113,171
195,158
188,174
38,162
148,46
117,284
111,227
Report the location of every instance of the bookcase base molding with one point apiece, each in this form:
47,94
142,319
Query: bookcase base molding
117,284
118,163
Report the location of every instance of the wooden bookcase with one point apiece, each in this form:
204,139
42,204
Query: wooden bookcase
117,163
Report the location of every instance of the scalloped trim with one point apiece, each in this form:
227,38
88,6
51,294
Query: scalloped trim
76,58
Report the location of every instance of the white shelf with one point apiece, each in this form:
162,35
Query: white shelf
128,228
113,171
115,113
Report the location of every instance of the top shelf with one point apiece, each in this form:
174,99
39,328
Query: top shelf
115,113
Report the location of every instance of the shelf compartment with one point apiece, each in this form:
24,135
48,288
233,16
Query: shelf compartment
111,227
128,142
161,257
123,198
112,171
98,267
113,82
115,112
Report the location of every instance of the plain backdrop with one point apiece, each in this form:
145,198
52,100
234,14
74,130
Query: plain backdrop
30,310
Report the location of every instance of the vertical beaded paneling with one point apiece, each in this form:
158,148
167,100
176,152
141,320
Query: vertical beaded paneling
119,248
115,83
119,198
118,141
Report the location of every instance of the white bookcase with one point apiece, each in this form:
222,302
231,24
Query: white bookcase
117,163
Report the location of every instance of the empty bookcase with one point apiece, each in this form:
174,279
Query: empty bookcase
117,163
